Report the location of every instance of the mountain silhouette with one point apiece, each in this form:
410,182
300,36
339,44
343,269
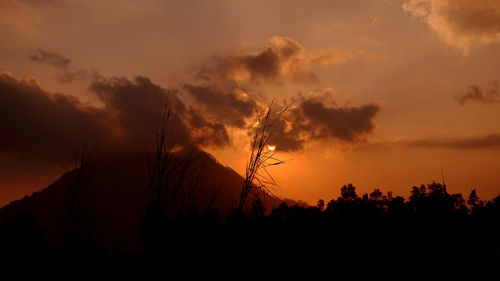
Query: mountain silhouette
119,195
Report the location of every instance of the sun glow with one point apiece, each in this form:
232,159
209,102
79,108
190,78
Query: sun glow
271,147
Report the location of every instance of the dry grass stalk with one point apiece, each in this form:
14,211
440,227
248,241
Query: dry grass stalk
168,173
256,173
160,160
79,204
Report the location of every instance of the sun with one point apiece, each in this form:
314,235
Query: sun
271,147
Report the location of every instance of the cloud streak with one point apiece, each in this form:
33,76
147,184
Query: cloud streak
67,73
475,93
54,59
481,142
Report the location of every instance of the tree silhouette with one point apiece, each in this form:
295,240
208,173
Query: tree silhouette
474,202
321,204
258,209
22,246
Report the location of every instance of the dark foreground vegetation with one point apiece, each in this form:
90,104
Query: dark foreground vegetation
370,235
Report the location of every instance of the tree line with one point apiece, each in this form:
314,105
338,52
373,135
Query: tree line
428,230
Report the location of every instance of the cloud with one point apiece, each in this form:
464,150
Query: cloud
219,85
40,125
209,111
345,123
137,106
308,119
313,119
474,93
480,142
490,141
54,59
134,107
67,73
234,108
206,132
289,136
460,23
283,58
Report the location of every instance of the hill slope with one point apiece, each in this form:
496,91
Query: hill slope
119,196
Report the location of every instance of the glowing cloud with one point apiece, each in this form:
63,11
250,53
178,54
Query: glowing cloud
460,23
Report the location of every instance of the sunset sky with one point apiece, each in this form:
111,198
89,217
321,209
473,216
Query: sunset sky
381,93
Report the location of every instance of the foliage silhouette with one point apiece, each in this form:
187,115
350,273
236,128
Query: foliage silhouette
431,232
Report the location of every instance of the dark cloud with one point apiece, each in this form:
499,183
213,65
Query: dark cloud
137,105
283,58
206,132
474,93
38,124
313,120
52,58
234,108
307,120
134,107
67,73
487,141
289,134
349,123
310,119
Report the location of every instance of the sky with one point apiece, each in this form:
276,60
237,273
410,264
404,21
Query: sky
383,94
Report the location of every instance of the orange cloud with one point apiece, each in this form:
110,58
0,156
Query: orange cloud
283,58
460,23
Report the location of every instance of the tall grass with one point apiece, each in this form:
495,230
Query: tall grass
256,174
79,203
169,174
160,159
